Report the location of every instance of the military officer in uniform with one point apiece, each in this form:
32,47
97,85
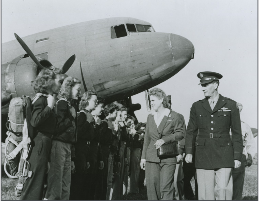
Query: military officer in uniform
216,154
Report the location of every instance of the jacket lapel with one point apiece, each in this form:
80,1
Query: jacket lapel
221,102
163,123
206,105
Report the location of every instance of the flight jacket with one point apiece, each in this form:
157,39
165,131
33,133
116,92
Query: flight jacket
66,127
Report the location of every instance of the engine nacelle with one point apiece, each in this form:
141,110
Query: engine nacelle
19,75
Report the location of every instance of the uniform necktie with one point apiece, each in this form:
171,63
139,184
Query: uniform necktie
211,102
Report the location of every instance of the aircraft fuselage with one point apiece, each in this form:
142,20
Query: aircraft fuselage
119,56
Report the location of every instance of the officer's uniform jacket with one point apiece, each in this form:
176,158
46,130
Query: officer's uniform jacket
210,131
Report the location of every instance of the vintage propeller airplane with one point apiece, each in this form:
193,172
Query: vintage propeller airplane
120,57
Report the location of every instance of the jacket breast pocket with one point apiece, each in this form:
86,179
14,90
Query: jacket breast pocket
224,119
201,120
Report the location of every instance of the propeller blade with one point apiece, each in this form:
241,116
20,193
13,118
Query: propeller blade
68,64
27,49
83,78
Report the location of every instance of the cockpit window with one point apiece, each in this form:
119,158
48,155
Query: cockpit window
118,31
144,28
131,27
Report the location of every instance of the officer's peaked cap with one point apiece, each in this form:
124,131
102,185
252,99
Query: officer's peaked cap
208,77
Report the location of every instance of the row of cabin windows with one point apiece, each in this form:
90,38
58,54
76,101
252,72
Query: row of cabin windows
120,30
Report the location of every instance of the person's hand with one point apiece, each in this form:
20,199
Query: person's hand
179,158
132,131
159,143
101,165
249,160
98,121
73,111
115,126
121,123
73,167
51,101
143,164
188,158
87,165
237,163
141,136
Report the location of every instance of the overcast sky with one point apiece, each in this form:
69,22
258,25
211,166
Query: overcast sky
224,34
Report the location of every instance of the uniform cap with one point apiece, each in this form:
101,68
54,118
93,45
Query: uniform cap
208,77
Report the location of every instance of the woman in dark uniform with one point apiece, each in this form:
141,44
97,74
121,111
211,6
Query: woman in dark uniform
85,134
59,176
160,172
96,161
108,149
43,120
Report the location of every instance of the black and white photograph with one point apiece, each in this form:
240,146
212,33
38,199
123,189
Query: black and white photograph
129,100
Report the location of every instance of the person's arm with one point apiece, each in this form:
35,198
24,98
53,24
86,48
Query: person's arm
146,139
40,112
250,142
181,145
191,132
236,132
179,130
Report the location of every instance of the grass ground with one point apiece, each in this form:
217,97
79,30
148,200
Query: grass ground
250,191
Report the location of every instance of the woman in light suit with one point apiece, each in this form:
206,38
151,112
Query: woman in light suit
160,172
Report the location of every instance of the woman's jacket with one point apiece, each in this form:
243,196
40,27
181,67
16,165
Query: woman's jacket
172,128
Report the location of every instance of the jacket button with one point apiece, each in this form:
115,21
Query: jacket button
212,115
211,128
212,122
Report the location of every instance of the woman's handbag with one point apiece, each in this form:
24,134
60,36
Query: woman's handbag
167,150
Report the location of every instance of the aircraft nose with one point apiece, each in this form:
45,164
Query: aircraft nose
181,47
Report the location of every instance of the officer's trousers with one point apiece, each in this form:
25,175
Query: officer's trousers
238,175
59,176
216,183
135,169
159,179
33,188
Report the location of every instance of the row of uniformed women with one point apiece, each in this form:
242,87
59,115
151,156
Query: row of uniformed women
63,143
102,152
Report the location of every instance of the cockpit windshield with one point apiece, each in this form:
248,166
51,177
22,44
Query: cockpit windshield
119,31
144,28
131,27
